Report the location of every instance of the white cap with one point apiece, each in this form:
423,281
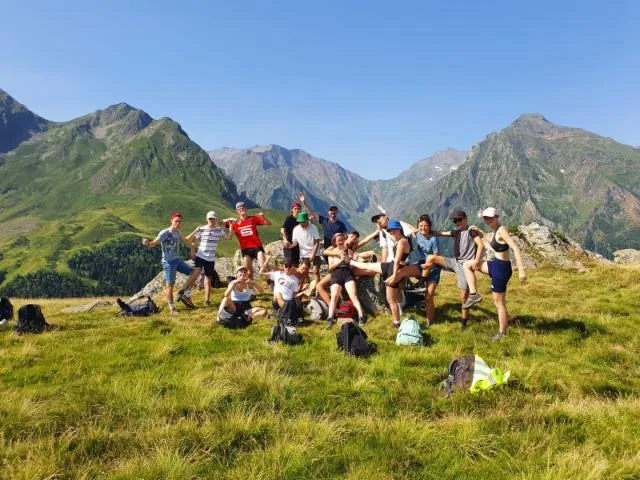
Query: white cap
489,212
211,214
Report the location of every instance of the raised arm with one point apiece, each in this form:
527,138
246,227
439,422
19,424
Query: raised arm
192,235
303,201
504,233
265,219
264,268
367,239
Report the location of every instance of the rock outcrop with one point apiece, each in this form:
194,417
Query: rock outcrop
628,256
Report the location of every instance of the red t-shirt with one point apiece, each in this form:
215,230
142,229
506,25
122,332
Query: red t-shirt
247,232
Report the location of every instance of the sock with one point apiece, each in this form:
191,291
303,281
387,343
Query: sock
187,292
171,307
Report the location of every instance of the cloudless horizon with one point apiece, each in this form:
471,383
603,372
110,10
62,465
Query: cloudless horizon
374,86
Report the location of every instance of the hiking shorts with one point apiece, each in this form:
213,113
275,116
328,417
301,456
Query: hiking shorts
291,256
387,271
207,267
434,276
171,267
341,275
308,262
500,273
252,252
457,267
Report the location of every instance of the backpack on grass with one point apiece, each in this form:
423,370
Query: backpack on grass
287,334
471,373
6,310
141,307
31,320
352,340
346,309
318,310
409,333
233,320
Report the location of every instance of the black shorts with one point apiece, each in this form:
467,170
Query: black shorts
387,271
291,256
341,275
251,252
307,261
207,267
242,307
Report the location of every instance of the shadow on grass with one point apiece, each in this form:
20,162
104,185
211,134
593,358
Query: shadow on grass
545,325
450,313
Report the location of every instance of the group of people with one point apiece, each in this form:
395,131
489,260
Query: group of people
407,252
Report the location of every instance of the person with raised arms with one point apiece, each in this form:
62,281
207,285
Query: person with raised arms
208,237
499,269
331,224
467,245
246,230
306,237
291,253
237,297
169,240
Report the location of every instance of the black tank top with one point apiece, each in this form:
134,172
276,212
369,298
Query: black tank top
497,246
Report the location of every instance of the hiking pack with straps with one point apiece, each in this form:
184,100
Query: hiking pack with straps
31,320
6,310
287,334
318,310
409,333
233,320
414,294
140,307
346,309
352,340
472,373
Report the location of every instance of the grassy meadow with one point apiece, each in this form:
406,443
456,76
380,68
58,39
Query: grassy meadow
169,397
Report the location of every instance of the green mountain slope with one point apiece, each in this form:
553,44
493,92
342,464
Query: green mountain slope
100,178
567,178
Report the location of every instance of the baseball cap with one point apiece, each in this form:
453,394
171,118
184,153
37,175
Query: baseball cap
458,215
332,207
239,204
375,218
176,215
302,217
489,212
394,225
295,204
241,267
211,214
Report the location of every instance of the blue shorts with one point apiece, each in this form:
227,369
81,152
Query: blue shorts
500,273
170,268
434,276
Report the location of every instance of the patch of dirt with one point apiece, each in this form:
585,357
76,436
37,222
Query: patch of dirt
17,226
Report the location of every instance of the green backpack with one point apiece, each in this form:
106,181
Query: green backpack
409,332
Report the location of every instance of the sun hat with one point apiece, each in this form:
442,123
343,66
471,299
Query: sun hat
211,214
489,212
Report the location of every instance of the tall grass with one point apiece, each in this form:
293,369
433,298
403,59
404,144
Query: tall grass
103,396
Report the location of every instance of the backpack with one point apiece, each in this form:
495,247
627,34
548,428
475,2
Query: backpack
346,310
409,333
233,320
414,294
31,320
317,309
472,373
138,308
352,340
281,332
6,309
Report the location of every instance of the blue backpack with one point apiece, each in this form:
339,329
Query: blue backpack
409,333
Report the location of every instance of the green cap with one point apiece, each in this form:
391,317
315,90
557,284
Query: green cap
303,217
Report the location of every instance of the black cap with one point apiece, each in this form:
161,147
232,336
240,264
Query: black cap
375,218
333,207
458,215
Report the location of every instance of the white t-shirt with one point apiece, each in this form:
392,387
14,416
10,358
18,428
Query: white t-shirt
287,285
386,240
306,238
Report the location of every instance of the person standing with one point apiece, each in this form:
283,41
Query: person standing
169,240
208,237
306,237
291,253
247,232
331,224
499,269
468,246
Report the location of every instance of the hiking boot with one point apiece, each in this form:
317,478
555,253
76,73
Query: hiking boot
186,301
498,336
472,300
463,324
331,322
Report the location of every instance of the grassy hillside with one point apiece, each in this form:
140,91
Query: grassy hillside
175,397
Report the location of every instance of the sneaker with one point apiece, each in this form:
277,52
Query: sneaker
498,336
362,320
206,304
180,295
472,300
331,322
396,324
186,301
173,311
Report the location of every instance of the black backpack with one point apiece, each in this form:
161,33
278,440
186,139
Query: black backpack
281,332
460,374
233,320
6,309
31,320
353,341
138,308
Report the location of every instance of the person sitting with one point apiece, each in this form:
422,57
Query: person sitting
287,289
237,297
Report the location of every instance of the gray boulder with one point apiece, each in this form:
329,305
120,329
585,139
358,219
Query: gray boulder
628,256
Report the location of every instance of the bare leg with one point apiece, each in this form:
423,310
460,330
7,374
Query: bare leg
432,261
192,279
363,273
207,288
371,267
464,294
261,260
316,273
336,291
168,293
470,275
256,312
430,303
247,262
503,315
353,295
392,299
321,289
404,272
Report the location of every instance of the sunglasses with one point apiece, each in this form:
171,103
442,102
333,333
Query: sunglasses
457,220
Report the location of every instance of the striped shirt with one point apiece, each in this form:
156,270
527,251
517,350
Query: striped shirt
209,238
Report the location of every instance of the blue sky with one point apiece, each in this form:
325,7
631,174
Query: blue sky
374,86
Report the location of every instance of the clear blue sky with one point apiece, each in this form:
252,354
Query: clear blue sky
374,86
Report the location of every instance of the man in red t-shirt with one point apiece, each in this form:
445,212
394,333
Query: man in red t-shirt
247,233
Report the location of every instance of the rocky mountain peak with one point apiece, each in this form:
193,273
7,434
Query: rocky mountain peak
17,123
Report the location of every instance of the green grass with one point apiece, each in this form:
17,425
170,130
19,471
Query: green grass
177,397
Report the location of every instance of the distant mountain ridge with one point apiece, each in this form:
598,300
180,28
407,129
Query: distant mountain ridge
17,123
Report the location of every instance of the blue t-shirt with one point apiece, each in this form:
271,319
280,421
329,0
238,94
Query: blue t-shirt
330,229
423,246
170,243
